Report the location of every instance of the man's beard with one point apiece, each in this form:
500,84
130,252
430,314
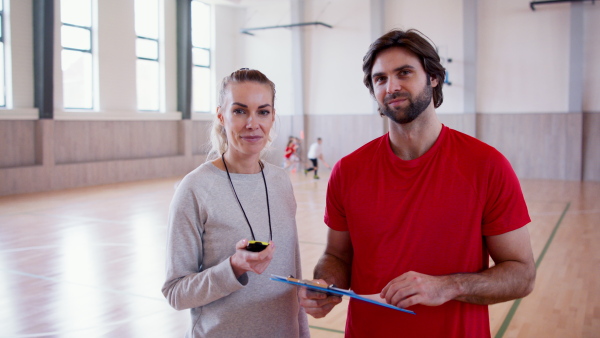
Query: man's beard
415,107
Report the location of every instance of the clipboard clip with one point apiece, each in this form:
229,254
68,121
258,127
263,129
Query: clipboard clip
312,285
331,290
291,278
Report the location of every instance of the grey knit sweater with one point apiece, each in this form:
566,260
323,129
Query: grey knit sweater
205,222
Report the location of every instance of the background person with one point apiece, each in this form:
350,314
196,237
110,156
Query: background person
290,149
217,208
415,214
315,153
291,155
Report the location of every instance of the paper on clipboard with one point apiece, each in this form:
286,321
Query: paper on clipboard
373,299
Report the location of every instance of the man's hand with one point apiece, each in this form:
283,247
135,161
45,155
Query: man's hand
243,260
317,304
512,276
413,288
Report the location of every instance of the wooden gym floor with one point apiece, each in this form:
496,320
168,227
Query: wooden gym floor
89,262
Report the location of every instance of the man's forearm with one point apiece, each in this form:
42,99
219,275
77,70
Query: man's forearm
506,281
333,270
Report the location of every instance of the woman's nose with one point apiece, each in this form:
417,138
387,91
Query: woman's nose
251,123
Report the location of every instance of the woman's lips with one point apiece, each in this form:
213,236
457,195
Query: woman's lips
251,138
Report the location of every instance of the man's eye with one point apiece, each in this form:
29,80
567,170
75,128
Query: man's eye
379,79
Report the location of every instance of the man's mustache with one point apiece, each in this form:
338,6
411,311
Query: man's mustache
396,95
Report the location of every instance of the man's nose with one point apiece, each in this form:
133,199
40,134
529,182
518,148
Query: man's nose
393,85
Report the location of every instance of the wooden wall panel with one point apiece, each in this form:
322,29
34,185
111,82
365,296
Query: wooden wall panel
591,147
65,176
49,155
201,137
464,123
342,134
89,141
543,146
17,143
70,154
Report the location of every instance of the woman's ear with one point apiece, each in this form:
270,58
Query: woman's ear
220,115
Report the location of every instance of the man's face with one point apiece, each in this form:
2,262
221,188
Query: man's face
402,88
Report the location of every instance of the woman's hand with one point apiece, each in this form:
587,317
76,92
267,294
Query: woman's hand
243,260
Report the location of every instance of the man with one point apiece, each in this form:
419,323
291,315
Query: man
315,153
415,214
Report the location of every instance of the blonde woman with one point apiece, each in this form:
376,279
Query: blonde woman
219,208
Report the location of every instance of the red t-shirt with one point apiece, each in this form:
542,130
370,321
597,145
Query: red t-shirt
427,215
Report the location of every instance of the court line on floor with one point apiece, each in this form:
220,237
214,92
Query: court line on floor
104,326
515,306
325,329
58,281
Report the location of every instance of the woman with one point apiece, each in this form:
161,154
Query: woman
222,205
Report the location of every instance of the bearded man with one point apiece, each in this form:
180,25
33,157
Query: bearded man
415,215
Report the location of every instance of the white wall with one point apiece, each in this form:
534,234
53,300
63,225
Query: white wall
21,53
442,22
170,55
591,69
523,57
228,51
116,56
270,50
334,57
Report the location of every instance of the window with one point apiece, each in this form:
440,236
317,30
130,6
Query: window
76,58
2,59
147,51
201,57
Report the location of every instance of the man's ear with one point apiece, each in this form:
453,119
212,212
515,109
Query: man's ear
434,82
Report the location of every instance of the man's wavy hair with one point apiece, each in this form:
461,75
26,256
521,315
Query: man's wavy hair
418,44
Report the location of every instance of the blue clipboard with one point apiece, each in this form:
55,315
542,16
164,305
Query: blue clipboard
334,291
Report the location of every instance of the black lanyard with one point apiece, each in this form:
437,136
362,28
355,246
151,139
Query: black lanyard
240,203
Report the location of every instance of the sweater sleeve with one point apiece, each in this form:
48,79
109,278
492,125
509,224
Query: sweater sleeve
303,330
187,285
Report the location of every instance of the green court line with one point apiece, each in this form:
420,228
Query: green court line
539,261
517,302
325,329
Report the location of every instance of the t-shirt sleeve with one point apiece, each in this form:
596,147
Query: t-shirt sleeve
505,208
335,214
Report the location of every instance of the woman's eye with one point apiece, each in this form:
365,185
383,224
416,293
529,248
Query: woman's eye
238,111
264,112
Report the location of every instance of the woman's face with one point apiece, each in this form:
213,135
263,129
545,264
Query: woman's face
247,114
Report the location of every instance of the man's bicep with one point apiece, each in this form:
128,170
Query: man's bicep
336,263
339,245
511,246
